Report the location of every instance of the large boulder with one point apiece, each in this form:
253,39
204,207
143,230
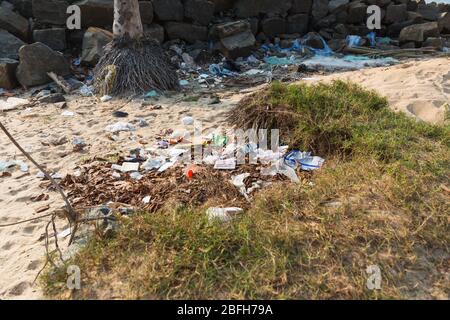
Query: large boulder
273,26
251,8
357,12
238,45
301,6
24,7
146,11
298,23
14,23
94,41
10,45
167,10
444,22
8,73
396,13
51,11
55,38
428,11
418,33
228,29
96,13
36,60
337,4
222,5
186,31
319,9
200,11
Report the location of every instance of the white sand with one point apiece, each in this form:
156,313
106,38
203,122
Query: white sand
419,88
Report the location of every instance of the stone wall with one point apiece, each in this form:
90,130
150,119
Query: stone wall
232,26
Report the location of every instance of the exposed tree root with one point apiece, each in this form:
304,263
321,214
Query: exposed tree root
134,66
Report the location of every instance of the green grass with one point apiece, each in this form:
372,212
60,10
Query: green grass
381,199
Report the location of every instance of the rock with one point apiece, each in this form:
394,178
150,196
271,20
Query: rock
14,23
155,31
298,23
301,6
10,45
428,11
319,9
94,41
337,4
238,45
8,73
395,13
146,11
437,43
201,11
326,22
414,16
228,29
185,31
444,22
251,8
394,29
36,60
55,38
357,12
24,7
96,13
273,26
167,10
444,7
50,11
418,33
52,98
222,5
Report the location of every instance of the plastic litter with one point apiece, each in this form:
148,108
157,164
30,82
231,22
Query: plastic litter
86,91
304,159
67,113
130,166
120,126
223,214
280,61
4,165
353,41
12,103
151,94
106,98
136,176
187,121
225,164
184,83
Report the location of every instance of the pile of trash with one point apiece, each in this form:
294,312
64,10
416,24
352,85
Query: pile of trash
276,61
170,170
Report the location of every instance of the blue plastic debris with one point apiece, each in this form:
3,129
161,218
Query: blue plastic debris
305,160
372,38
353,41
151,94
276,61
215,69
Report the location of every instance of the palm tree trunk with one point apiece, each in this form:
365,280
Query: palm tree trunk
127,19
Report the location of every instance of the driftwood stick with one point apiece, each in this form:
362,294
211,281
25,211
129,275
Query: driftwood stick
60,82
71,214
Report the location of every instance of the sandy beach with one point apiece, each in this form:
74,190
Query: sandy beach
418,88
